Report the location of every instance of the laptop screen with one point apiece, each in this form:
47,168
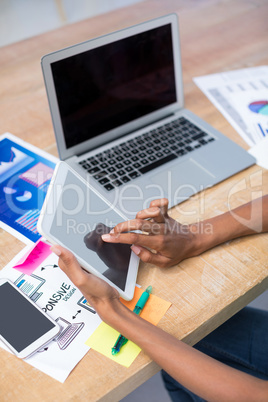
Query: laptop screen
106,87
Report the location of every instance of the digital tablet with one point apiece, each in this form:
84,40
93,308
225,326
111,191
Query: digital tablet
25,328
75,216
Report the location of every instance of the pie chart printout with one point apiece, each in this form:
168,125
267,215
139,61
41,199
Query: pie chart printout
27,195
260,107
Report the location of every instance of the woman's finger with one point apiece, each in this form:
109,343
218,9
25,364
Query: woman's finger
157,211
70,266
139,224
161,203
153,242
152,258
155,214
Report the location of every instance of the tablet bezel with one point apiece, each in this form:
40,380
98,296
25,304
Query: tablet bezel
45,222
39,342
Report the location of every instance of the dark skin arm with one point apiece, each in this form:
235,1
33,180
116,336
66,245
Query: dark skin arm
172,242
203,375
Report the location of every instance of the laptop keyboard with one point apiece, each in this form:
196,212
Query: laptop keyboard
133,158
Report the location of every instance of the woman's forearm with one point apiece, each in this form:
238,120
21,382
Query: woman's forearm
203,375
172,241
250,218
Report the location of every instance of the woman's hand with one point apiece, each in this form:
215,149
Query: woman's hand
164,242
172,242
98,293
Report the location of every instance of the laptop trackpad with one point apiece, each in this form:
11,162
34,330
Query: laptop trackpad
182,180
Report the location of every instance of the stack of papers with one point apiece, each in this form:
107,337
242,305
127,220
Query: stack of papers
242,97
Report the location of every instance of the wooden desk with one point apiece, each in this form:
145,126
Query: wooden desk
216,35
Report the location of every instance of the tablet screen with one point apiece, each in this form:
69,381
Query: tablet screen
81,218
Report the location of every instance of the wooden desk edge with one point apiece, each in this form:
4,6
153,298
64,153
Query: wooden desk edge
152,368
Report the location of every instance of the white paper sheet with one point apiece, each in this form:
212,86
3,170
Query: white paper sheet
260,152
52,290
237,94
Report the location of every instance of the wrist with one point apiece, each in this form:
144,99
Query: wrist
112,312
202,237
123,320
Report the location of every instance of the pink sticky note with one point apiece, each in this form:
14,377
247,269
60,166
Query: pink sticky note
33,258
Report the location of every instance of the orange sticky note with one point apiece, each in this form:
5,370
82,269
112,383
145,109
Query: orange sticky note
104,338
153,310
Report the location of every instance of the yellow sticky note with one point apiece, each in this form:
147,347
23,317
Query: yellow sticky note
104,338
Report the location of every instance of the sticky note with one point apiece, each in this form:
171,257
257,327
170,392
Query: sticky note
35,256
154,309
104,338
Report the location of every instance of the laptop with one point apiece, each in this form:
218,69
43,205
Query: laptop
68,332
119,119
